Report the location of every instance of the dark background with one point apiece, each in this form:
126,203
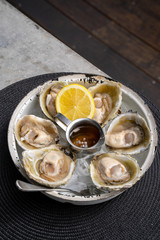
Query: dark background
120,37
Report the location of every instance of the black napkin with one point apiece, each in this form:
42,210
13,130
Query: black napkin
135,214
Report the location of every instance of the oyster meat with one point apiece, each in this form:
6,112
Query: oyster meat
32,132
114,171
49,166
107,98
128,133
48,97
103,106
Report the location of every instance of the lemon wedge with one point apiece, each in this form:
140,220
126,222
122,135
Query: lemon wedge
75,101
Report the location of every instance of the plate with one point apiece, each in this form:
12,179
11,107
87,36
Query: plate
81,180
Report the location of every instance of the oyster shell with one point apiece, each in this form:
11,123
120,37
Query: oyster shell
114,171
107,97
128,133
48,96
33,132
48,166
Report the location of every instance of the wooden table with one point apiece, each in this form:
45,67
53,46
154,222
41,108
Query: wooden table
122,38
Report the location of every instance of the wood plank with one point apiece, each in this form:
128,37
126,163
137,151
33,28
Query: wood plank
87,46
140,17
127,45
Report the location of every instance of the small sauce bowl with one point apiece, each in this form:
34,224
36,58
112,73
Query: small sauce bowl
83,134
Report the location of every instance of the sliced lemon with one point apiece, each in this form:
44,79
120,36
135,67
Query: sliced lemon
75,101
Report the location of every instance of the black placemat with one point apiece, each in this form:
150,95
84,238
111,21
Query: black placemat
135,214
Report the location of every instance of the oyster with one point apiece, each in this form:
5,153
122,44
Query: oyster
32,132
107,98
128,133
48,97
114,171
48,166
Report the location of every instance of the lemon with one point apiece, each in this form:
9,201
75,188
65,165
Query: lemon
75,101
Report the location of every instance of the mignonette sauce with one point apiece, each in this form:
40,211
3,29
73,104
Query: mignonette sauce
85,136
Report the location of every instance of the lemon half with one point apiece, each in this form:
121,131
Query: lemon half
75,101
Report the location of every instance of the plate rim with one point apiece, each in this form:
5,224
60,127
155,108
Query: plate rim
97,198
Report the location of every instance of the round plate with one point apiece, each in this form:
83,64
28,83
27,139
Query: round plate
81,180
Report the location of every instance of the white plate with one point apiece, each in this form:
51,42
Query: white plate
81,179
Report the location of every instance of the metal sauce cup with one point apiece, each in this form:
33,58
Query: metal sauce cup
69,126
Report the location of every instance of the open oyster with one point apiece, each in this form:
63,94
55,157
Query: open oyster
32,132
49,166
107,98
128,133
114,171
48,96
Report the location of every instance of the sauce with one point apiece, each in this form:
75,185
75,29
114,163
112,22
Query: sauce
85,136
